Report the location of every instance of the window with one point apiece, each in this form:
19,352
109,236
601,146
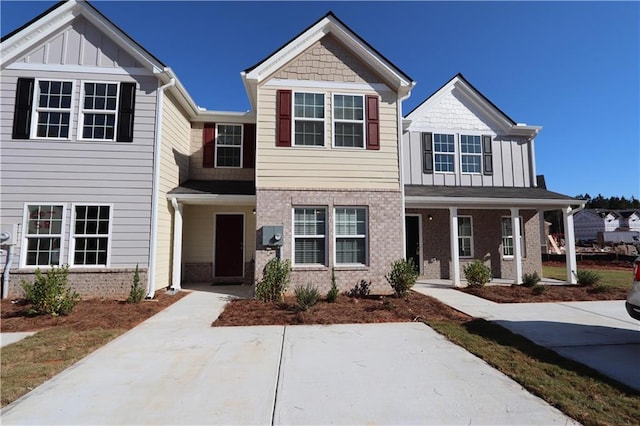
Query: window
91,235
53,109
351,236
465,236
228,145
470,154
444,149
43,234
507,237
99,109
348,118
309,233
308,115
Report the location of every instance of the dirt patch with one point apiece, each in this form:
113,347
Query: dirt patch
615,265
552,293
86,315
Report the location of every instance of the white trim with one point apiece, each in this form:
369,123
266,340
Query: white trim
241,146
214,199
24,238
176,261
79,69
294,118
420,240
465,236
325,236
454,153
358,236
522,236
33,131
82,111
455,252
72,235
459,146
517,245
327,85
363,121
244,239
484,203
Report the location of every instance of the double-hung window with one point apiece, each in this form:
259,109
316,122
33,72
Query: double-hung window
228,145
91,231
308,116
99,110
470,154
507,237
53,109
43,234
309,235
351,236
465,236
348,121
444,148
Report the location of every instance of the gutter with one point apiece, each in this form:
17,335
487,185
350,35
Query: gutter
401,98
157,147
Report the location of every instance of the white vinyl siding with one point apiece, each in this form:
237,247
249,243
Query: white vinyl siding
348,121
350,236
228,145
465,236
308,119
52,106
309,236
44,227
98,111
91,235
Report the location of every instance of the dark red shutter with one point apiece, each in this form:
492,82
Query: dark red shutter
283,118
209,145
22,110
126,110
249,146
373,122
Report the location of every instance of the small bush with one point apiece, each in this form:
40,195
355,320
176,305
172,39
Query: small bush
529,280
49,293
332,295
360,290
275,280
306,296
587,278
600,288
477,273
538,289
402,277
136,294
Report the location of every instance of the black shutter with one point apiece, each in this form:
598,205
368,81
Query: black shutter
427,153
22,110
126,112
249,146
487,155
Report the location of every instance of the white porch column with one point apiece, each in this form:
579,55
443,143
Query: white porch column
570,246
177,244
517,245
455,255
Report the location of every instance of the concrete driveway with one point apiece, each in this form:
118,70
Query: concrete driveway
176,369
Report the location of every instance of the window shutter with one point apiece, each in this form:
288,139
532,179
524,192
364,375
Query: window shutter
249,146
487,155
373,122
209,145
126,109
427,153
22,111
283,117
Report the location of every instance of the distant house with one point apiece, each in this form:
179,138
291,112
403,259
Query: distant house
598,224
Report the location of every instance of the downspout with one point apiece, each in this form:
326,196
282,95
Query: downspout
401,169
5,273
156,188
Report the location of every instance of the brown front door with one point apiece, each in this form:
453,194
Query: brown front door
229,256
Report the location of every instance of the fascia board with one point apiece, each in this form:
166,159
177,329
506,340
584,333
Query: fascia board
213,199
528,131
221,116
475,203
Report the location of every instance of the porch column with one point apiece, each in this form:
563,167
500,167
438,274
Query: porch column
177,244
455,256
517,245
569,245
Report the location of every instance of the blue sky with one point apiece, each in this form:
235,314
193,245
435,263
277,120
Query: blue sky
571,67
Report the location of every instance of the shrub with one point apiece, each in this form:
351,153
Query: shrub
49,293
360,290
332,295
477,273
599,288
306,296
136,294
275,280
402,277
529,280
587,278
538,289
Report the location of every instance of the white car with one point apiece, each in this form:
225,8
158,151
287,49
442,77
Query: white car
633,299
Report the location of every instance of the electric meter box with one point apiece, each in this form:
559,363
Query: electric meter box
272,236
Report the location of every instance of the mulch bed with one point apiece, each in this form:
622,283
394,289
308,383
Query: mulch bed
552,293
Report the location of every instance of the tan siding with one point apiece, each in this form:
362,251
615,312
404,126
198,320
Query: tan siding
195,162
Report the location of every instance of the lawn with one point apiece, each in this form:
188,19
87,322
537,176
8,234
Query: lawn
613,278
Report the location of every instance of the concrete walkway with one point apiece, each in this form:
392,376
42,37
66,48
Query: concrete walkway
598,334
176,369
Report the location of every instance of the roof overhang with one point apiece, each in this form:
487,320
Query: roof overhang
214,199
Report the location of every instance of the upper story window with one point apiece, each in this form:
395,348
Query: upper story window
348,119
444,149
439,153
99,109
470,154
43,234
53,109
228,145
308,116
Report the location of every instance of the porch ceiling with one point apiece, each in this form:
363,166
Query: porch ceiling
215,192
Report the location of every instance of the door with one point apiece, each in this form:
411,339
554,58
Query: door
229,245
412,226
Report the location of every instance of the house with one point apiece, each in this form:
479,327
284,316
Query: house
597,224
108,164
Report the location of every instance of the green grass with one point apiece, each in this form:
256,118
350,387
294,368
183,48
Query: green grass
610,278
579,391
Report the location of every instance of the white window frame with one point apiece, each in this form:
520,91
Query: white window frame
364,236
465,154
73,235
239,147
36,110
296,118
470,237
26,235
294,236
82,111
454,153
523,244
334,121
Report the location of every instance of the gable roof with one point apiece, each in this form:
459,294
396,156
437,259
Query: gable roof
328,24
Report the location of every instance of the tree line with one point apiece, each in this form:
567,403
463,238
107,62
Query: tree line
613,203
